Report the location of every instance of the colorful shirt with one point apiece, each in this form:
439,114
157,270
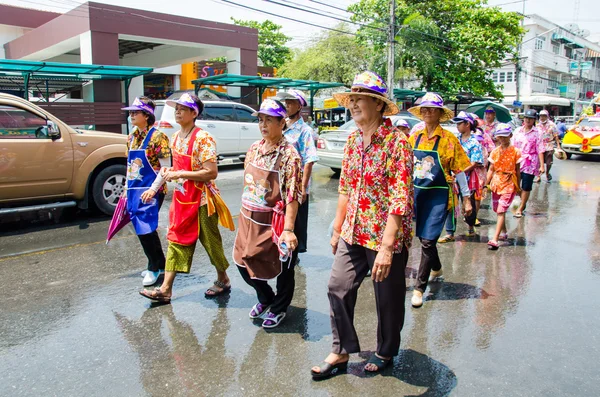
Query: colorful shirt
378,182
473,149
300,135
531,145
505,169
290,169
204,150
158,148
490,129
548,132
452,156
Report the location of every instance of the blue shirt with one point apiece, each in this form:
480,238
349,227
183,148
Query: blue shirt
473,149
300,135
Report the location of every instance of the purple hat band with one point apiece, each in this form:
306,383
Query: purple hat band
503,130
270,107
463,116
185,100
139,105
370,81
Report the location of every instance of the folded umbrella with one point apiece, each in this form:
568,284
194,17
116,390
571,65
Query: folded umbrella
502,112
119,220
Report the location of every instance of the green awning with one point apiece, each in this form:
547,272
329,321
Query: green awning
407,95
53,70
236,80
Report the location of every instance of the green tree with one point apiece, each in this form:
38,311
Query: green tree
272,50
451,46
333,56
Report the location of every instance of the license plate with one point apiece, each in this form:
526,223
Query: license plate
226,162
337,145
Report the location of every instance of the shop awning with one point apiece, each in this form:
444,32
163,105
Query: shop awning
542,100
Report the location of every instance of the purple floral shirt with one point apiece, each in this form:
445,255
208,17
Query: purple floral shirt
531,145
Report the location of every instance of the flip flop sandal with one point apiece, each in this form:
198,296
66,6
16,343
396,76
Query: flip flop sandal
518,215
380,363
155,295
328,370
218,288
492,245
258,311
446,239
477,222
503,236
273,320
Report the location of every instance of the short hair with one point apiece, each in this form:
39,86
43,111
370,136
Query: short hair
151,118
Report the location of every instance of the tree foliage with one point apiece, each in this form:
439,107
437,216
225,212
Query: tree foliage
451,46
333,56
272,50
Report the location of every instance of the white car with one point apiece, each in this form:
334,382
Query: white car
330,145
230,123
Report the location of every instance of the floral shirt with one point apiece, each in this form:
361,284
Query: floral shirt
204,150
300,135
531,145
473,149
490,129
378,182
505,169
158,148
548,132
290,169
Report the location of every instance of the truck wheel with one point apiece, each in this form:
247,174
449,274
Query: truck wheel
108,186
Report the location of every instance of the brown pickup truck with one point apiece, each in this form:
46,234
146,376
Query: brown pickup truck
46,164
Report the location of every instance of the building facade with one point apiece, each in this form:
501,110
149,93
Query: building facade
559,69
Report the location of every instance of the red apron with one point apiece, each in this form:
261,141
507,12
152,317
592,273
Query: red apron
184,224
254,247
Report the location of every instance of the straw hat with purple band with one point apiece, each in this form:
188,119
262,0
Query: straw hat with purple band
368,84
490,109
185,100
271,107
292,94
432,100
464,116
503,129
139,105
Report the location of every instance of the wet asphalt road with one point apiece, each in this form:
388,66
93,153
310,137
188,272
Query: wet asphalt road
522,321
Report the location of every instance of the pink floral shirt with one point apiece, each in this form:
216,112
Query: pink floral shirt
531,145
548,131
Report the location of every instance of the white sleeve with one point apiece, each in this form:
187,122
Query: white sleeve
461,179
159,181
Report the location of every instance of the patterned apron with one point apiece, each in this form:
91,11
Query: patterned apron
140,176
431,192
184,224
254,247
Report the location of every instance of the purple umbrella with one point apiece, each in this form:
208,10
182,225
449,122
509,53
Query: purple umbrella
119,220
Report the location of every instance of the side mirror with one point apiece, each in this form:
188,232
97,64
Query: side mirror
53,130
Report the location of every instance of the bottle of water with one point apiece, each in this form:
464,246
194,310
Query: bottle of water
284,252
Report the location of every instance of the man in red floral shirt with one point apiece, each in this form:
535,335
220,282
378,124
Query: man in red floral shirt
374,221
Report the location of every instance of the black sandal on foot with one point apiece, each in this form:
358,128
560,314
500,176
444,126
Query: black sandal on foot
380,363
328,370
212,291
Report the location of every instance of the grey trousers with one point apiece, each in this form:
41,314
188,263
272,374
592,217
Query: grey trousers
350,266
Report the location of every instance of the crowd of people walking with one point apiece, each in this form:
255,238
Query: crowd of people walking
395,184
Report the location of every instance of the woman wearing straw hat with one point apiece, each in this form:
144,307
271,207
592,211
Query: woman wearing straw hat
266,246
374,221
147,151
434,197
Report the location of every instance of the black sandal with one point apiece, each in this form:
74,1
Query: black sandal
219,284
328,370
380,363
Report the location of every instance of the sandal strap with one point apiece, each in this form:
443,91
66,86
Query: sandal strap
220,284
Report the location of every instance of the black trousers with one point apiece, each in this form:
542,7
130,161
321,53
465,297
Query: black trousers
152,246
350,266
285,286
301,226
430,260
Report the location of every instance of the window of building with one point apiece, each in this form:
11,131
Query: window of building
502,77
568,52
537,78
539,43
495,77
555,47
509,77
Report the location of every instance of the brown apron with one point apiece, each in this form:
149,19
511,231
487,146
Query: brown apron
254,248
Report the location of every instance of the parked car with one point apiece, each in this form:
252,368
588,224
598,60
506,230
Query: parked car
230,123
583,137
46,164
330,145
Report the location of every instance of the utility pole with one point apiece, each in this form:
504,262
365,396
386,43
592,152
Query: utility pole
391,66
517,62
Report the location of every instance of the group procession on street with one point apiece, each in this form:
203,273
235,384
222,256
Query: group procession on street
395,183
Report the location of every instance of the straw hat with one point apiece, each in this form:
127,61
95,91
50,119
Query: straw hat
375,87
560,154
432,100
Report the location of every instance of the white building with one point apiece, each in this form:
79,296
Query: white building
560,68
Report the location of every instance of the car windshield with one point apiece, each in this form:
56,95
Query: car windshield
589,123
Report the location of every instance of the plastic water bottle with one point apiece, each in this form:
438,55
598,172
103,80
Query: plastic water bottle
284,252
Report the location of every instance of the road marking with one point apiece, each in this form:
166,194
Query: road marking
80,245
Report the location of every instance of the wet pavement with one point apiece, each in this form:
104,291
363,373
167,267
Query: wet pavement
522,321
